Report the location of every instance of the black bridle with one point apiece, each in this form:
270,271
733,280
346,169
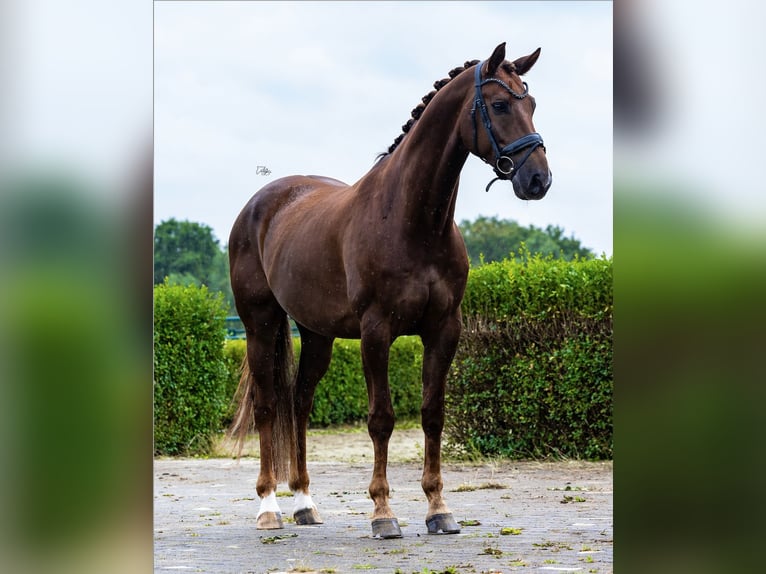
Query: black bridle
504,164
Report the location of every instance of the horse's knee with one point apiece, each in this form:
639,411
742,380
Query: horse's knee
432,419
380,424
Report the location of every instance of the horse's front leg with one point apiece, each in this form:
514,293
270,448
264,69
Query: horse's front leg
376,342
439,349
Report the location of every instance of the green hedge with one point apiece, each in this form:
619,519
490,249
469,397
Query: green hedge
189,370
536,287
533,373
532,376
341,396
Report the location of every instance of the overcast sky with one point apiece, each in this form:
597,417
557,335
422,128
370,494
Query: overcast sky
323,87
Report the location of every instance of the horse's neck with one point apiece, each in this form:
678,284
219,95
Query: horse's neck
428,163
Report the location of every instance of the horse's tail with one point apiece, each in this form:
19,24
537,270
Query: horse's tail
283,430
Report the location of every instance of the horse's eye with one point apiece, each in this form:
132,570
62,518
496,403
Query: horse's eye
500,107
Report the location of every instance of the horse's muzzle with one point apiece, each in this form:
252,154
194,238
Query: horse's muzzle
535,187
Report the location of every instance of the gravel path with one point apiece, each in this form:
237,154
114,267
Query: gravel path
517,517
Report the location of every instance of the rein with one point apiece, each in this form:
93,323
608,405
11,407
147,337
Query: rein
504,164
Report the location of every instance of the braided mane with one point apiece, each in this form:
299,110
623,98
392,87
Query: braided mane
418,110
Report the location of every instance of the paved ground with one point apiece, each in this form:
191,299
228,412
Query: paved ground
519,517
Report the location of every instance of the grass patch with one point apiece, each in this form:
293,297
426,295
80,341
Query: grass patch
277,538
552,546
485,486
396,551
492,551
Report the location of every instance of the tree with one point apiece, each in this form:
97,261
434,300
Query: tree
569,246
184,248
188,253
491,239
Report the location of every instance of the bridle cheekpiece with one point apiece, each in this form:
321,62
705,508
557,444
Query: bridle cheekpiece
504,164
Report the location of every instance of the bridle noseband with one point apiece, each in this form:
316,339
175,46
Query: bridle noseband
504,165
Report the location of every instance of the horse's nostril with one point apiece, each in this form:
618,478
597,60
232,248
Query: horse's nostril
537,187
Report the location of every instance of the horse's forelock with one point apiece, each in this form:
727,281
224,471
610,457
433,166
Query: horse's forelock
509,67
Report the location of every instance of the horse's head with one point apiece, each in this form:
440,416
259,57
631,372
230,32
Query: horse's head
500,129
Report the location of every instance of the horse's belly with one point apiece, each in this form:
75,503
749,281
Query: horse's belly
334,326
320,313
314,294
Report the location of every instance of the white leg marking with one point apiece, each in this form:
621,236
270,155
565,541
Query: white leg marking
269,504
303,501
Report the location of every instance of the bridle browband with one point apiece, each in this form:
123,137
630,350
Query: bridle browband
504,165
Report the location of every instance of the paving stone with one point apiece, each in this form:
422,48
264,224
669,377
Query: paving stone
517,517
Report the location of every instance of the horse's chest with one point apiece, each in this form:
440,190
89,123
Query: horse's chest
411,295
401,290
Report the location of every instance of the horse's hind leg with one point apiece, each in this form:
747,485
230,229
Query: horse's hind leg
316,352
269,357
439,350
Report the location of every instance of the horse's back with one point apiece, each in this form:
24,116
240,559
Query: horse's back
327,180
273,198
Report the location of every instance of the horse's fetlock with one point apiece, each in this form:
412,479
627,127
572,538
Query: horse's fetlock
432,484
263,489
379,492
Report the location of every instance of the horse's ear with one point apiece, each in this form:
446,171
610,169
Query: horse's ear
497,58
525,63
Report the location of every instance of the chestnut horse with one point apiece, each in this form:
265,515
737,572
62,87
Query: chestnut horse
372,261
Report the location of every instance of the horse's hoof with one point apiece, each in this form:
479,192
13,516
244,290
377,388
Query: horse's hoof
386,528
269,521
307,516
442,523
